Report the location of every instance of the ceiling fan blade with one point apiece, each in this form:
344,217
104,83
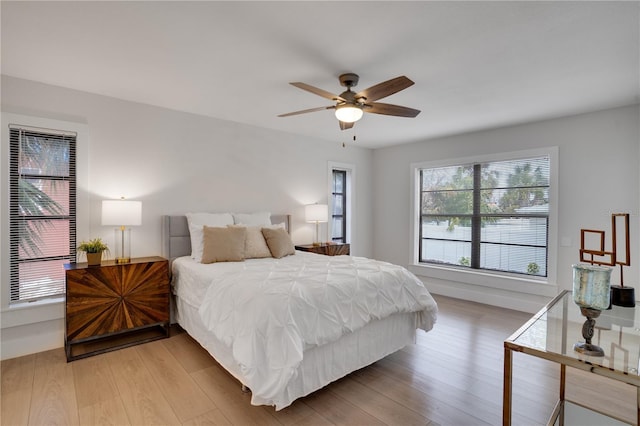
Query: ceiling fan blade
388,109
304,111
319,92
344,125
384,89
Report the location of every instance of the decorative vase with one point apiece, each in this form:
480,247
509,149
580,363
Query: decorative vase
592,293
94,259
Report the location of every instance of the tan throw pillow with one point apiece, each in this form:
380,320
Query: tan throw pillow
223,244
279,242
255,247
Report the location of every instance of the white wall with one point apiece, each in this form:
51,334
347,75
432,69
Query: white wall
598,175
175,162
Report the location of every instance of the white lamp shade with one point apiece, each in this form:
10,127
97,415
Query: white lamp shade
348,113
316,213
121,212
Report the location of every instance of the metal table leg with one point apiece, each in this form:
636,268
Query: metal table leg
506,389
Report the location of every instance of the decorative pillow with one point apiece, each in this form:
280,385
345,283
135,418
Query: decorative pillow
252,219
197,221
279,242
255,247
223,244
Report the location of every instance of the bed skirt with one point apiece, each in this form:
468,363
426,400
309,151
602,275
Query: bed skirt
321,365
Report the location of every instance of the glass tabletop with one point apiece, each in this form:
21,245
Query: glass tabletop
553,331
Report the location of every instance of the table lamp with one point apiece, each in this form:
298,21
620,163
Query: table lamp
122,213
316,213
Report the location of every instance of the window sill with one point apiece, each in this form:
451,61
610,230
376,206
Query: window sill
487,279
32,312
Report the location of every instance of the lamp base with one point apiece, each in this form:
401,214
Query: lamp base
623,296
123,260
588,349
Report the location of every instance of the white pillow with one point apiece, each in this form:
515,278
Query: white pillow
277,225
252,219
197,221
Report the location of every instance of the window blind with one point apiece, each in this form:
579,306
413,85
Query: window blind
492,215
42,211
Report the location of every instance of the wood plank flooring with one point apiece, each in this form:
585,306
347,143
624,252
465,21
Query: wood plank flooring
451,376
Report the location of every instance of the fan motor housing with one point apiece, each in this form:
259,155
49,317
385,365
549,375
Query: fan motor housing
349,79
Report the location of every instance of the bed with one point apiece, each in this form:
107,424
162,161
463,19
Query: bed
286,327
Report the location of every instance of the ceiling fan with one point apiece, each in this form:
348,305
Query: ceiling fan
350,106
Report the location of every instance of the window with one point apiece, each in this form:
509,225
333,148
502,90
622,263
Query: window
42,209
339,206
341,191
486,215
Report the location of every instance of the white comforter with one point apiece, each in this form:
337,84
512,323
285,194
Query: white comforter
268,312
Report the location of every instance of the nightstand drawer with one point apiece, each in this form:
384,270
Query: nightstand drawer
326,249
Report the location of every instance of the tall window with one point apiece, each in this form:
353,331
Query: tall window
339,213
42,209
490,215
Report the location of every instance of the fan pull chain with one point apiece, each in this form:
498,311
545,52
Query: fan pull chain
344,145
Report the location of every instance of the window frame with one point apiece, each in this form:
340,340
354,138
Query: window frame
15,218
343,194
52,309
482,277
350,186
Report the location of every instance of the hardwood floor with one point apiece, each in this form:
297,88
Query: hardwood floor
451,376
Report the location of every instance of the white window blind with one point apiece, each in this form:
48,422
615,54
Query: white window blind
42,211
491,215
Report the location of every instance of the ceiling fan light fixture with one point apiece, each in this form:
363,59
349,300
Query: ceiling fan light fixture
348,113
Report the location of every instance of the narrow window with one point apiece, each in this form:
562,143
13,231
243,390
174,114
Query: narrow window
339,204
42,210
490,215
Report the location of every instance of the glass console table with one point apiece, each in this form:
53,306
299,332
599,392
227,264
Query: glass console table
551,333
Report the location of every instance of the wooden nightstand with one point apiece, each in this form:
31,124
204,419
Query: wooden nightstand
112,306
327,249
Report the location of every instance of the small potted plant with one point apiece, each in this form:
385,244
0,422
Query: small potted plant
93,249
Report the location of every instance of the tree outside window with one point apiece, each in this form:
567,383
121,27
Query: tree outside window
42,212
487,215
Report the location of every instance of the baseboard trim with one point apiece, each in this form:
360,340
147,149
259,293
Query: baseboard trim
517,301
31,338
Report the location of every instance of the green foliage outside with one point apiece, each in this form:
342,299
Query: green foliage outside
533,268
464,261
454,194
528,192
451,193
37,154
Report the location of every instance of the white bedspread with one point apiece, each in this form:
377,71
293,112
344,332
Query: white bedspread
269,310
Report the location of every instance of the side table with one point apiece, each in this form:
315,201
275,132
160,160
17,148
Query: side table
551,333
337,249
112,306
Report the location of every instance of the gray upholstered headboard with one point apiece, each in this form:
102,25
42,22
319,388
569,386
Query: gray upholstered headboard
176,241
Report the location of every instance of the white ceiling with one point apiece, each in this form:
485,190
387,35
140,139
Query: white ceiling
476,65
